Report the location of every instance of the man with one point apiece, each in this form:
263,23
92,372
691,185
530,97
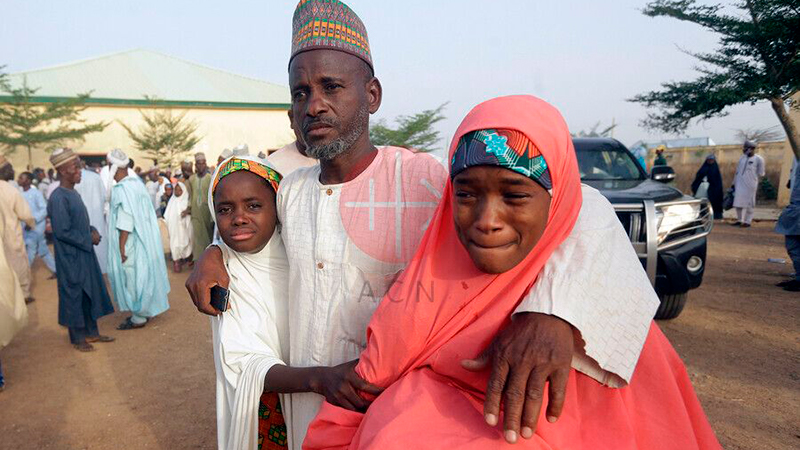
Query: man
35,242
343,256
82,295
202,224
42,181
15,209
93,193
789,226
153,185
745,184
136,265
13,312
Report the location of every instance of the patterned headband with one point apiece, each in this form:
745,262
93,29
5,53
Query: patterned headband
510,149
235,164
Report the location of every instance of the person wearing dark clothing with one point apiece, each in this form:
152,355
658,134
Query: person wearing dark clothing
82,294
710,172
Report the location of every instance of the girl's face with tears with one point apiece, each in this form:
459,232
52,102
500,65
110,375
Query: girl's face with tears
244,204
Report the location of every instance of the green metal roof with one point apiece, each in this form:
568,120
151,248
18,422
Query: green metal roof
126,78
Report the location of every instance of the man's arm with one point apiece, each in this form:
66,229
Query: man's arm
123,239
533,349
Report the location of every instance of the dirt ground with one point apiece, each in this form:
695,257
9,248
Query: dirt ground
154,388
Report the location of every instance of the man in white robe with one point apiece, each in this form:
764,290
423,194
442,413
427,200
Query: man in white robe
93,194
748,173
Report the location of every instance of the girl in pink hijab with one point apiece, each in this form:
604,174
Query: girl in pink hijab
513,197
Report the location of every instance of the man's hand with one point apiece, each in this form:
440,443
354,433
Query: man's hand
532,349
186,213
96,238
340,385
122,256
208,272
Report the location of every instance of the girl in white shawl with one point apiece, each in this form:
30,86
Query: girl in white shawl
252,336
179,226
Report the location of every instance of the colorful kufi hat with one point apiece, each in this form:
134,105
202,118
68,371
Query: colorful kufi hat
329,24
510,149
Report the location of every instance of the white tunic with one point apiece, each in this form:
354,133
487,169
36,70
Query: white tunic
93,194
748,172
347,243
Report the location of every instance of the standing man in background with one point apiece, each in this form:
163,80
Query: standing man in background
35,242
745,184
82,294
136,266
202,224
15,209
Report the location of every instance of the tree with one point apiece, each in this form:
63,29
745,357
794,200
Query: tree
593,132
164,137
770,134
25,123
413,132
757,59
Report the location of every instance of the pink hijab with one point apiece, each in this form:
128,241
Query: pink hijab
443,309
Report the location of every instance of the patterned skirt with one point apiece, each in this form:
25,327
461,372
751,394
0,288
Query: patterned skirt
271,426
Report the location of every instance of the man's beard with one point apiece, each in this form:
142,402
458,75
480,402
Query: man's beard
329,151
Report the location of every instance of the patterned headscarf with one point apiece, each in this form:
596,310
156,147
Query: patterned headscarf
329,24
235,164
510,149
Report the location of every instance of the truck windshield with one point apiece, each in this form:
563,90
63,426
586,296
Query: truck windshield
606,164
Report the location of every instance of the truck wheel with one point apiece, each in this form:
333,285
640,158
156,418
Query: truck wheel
671,306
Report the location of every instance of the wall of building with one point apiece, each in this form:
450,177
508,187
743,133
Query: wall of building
260,129
686,161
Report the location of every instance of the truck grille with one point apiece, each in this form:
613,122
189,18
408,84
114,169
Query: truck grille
633,223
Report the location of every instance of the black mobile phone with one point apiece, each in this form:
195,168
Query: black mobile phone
219,298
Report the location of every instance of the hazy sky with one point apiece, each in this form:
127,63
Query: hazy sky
586,57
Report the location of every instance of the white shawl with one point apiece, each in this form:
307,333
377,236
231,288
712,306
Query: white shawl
180,228
250,338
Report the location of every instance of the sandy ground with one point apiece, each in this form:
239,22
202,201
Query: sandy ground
154,388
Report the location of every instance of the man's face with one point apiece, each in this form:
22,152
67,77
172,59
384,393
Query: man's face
333,94
749,151
153,175
71,171
24,181
200,165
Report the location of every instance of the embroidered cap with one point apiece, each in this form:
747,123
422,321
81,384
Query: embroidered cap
329,24
61,156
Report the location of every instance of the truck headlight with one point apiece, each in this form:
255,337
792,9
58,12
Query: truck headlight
672,217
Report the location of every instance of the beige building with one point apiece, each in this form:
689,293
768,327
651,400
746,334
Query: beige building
229,109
